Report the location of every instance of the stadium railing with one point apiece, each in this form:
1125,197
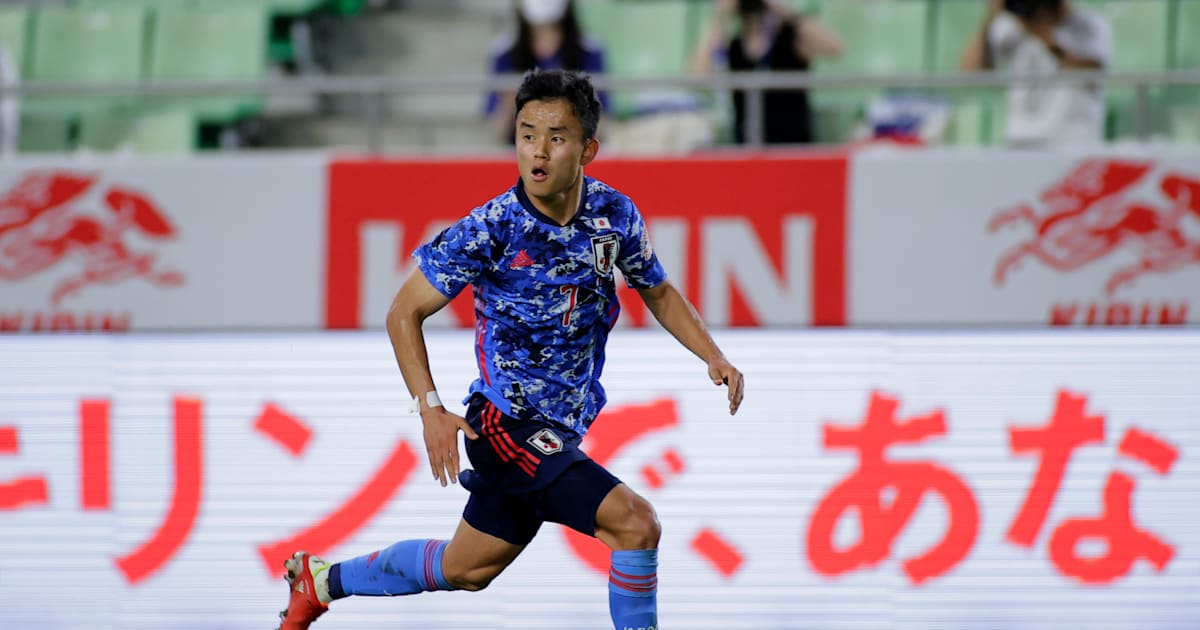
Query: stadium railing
373,90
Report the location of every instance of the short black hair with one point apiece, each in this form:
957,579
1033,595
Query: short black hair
573,87
751,7
1030,8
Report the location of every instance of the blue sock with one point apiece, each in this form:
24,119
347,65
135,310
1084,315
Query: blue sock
633,589
405,568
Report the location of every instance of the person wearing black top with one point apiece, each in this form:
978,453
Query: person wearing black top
769,36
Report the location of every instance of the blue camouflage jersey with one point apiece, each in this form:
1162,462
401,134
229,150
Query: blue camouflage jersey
545,296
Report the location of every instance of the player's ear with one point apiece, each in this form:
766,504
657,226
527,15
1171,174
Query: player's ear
590,147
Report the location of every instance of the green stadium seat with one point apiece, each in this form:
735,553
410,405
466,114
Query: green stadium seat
142,131
166,131
147,5
1140,42
1140,31
955,22
45,132
84,46
978,120
1186,35
293,7
1183,121
210,43
882,37
643,39
1183,101
13,29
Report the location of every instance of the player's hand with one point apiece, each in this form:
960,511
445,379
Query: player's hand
722,372
441,441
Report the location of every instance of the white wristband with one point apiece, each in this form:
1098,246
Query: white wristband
431,398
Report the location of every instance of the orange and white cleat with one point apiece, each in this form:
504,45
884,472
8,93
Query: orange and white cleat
306,574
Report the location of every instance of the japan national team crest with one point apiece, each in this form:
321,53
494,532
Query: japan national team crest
546,441
604,252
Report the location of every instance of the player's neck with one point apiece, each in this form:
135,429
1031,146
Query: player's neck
560,208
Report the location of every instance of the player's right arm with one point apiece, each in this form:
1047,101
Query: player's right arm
416,300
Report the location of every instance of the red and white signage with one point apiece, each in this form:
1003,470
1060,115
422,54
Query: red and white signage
875,238
871,480
207,243
752,241
942,237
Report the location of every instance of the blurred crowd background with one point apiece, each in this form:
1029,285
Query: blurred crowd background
428,76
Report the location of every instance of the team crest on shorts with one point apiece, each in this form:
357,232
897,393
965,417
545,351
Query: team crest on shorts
546,441
604,252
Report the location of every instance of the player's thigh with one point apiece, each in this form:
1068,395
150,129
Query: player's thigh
573,499
473,558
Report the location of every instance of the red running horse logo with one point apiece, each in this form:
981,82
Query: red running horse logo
44,223
1088,216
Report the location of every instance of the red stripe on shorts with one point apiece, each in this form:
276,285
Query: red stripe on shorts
522,453
503,444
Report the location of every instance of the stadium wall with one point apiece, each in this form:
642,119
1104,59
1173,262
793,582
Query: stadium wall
1029,480
870,238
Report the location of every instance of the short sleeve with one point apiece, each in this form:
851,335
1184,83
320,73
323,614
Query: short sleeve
1095,41
637,260
1003,34
458,255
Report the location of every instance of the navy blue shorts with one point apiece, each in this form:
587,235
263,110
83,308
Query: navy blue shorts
526,473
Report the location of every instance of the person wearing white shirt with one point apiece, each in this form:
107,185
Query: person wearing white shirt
1039,38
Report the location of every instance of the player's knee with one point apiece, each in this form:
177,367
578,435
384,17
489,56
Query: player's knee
639,528
471,579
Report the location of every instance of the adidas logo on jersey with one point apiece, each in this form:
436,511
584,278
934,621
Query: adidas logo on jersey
522,260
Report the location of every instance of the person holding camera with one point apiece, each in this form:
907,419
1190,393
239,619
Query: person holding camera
1037,39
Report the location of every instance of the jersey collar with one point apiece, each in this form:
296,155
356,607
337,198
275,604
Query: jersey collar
526,203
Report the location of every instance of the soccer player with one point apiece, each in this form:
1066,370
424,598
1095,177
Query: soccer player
541,258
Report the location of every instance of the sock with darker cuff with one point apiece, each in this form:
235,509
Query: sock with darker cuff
405,568
633,589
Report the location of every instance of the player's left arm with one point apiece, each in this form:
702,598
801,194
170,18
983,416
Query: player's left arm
680,318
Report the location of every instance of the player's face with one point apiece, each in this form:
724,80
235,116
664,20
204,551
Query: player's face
551,152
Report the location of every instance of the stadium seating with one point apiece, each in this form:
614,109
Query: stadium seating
210,43
141,130
113,41
644,39
13,23
85,46
977,115
954,22
881,38
911,37
1183,102
1139,43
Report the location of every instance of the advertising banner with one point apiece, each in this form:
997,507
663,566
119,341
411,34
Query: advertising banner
173,244
752,240
1032,480
883,237
1024,238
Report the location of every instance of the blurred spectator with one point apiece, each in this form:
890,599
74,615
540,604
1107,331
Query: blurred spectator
768,36
547,37
1037,38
